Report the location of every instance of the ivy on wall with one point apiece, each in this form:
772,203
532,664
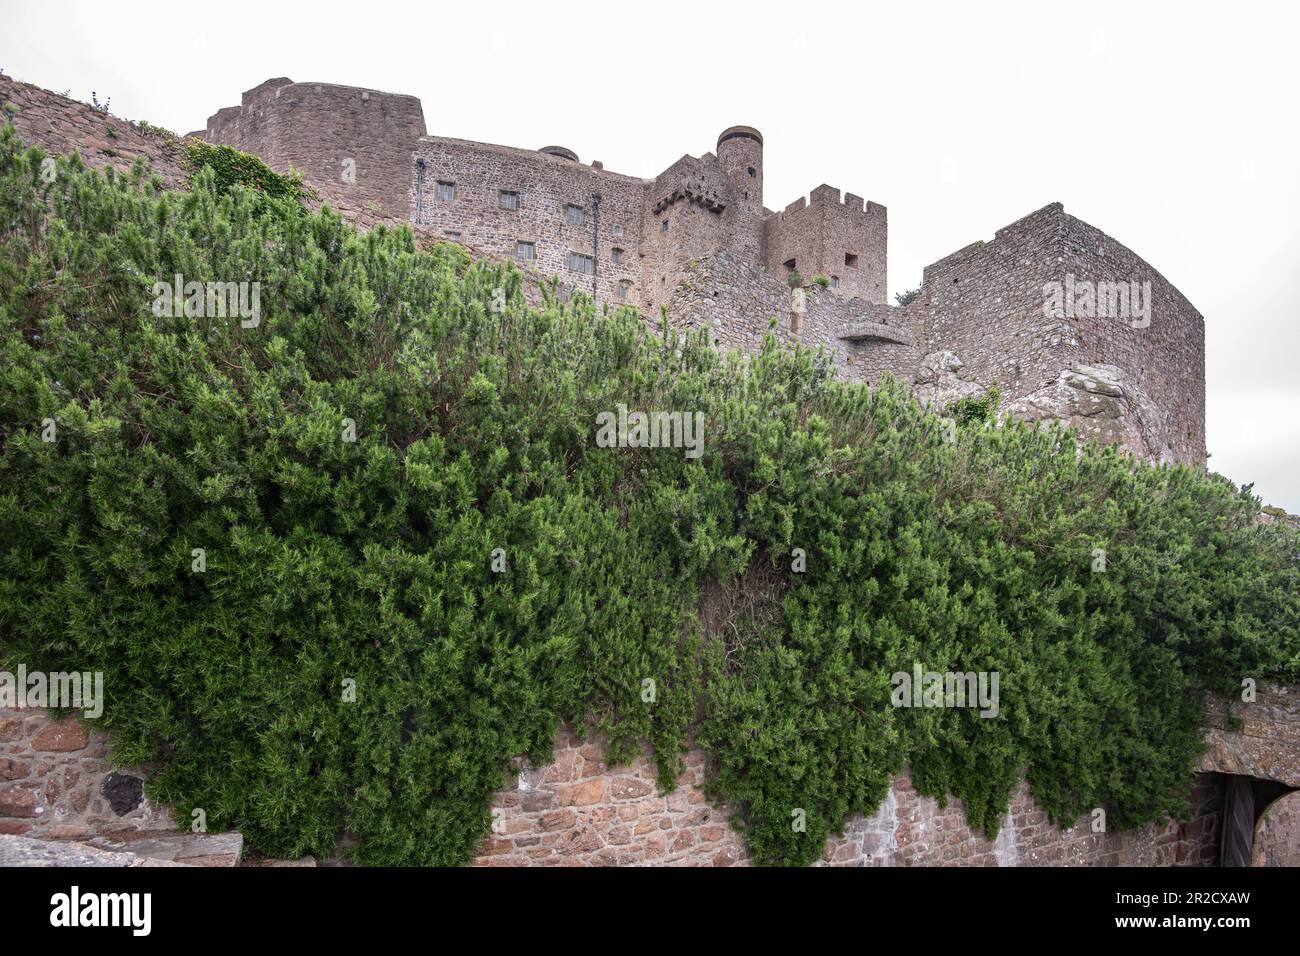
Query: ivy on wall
231,167
416,561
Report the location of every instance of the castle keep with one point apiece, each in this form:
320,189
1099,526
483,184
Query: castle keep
697,242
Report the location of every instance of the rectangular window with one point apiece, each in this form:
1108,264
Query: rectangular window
624,289
790,265
616,255
525,250
850,260
618,230
508,200
663,226
580,263
835,282
446,190
573,215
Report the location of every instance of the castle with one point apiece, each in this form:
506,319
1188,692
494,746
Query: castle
1119,352
697,243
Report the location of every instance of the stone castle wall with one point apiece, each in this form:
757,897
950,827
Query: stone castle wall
544,186
326,130
846,241
697,241
736,300
58,781
1161,364
1143,387
980,319
63,125
576,811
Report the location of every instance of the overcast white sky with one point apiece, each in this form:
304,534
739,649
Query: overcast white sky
1170,126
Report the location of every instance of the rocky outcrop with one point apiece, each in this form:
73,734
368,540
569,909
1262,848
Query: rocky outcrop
939,381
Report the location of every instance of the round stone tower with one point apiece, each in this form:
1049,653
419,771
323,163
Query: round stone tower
740,156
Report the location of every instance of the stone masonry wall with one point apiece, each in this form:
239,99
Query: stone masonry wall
821,236
57,781
1164,362
63,125
1143,387
736,300
325,130
576,811
545,185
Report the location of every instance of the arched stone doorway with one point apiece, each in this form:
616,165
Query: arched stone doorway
1277,834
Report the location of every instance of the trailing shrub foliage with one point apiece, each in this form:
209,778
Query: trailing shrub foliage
232,167
331,561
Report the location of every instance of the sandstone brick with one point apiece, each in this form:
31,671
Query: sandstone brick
559,820
565,767
492,847
581,794
18,802
61,736
68,832
629,788
579,840
538,800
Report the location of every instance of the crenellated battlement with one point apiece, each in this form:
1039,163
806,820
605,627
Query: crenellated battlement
843,239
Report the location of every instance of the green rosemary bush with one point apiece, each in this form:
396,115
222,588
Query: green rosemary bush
345,554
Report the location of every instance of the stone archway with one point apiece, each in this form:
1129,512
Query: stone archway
1277,834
